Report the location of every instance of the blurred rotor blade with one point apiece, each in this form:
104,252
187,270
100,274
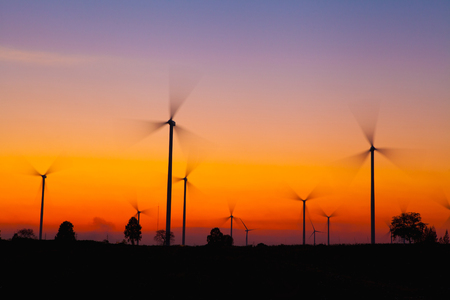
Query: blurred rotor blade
441,198
58,164
344,170
404,159
290,193
193,190
26,168
130,132
366,114
231,206
177,179
133,201
149,212
320,211
195,147
222,221
182,82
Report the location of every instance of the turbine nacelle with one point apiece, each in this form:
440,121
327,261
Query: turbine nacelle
171,122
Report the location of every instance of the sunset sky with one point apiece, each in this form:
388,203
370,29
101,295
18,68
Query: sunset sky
282,87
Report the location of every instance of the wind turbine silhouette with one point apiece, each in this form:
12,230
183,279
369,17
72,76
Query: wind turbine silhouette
231,217
333,214
54,167
139,212
186,183
314,232
311,196
367,124
246,232
181,85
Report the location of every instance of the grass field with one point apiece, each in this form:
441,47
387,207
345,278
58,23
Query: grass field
94,269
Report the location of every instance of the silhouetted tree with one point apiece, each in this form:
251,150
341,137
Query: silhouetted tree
217,238
444,239
24,234
133,231
160,237
408,226
228,240
65,232
429,235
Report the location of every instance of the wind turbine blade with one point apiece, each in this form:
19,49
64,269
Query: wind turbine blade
133,201
404,159
231,206
58,164
344,170
320,212
441,198
195,147
244,225
366,114
23,166
182,82
290,193
130,132
193,190
148,212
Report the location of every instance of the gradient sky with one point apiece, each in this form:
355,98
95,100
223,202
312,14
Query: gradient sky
273,108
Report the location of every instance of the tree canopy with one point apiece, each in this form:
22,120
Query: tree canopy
65,232
25,233
133,231
408,226
160,237
217,238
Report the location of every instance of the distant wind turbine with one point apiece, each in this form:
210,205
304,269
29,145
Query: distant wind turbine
139,212
231,217
54,167
322,213
246,232
294,196
314,232
181,84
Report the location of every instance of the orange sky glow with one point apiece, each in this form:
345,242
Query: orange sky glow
271,112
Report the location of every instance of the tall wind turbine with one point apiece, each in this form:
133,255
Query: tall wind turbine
186,184
322,213
367,120
195,156
54,167
246,232
181,84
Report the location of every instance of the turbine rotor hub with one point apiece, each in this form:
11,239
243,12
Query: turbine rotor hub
171,122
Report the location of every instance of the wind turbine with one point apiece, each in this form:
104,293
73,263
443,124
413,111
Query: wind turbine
186,184
314,232
231,217
246,232
54,167
311,196
367,121
181,85
139,212
322,213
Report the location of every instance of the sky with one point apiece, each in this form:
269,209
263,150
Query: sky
283,91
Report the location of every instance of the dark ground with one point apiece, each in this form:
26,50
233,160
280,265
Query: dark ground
87,268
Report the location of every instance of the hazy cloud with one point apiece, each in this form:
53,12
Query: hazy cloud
102,224
42,58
